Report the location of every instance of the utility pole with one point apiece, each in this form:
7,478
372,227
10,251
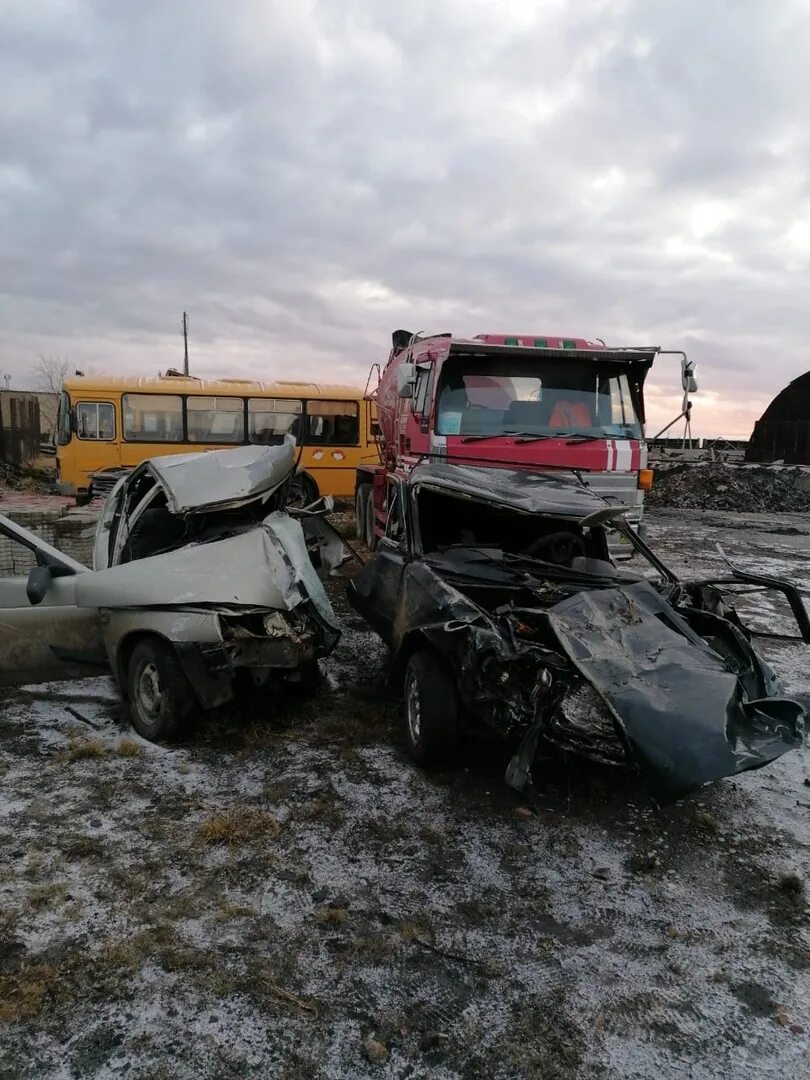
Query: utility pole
185,343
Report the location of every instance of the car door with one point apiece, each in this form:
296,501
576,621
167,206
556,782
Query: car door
375,591
52,638
108,519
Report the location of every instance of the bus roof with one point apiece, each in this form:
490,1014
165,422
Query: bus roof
179,384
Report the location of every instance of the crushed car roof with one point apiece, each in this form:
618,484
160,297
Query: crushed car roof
220,478
545,493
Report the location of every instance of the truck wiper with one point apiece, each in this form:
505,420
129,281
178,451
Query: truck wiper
519,436
495,435
571,437
530,436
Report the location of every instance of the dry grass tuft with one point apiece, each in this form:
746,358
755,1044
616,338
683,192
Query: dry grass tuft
46,896
269,986
228,910
330,916
126,953
237,825
23,993
81,750
129,748
705,821
791,886
83,847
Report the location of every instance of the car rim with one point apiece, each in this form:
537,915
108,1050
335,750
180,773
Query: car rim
150,697
413,710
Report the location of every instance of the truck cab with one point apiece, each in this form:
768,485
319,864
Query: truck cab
516,402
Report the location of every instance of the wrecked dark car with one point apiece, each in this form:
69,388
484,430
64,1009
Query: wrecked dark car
495,591
202,583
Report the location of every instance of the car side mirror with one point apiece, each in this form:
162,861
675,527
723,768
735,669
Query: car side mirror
406,376
39,581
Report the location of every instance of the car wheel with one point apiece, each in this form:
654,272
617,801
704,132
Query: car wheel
301,491
431,710
371,521
160,697
361,498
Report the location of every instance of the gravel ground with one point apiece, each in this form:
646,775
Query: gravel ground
285,895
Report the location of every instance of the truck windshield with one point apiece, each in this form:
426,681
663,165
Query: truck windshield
531,396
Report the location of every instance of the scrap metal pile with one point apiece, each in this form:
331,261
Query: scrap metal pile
718,486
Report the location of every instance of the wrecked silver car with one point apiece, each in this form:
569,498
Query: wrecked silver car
201,578
496,594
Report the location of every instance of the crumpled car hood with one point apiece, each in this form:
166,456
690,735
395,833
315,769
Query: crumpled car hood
685,716
221,478
264,567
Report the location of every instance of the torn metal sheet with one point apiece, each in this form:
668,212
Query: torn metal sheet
220,478
687,714
545,493
249,569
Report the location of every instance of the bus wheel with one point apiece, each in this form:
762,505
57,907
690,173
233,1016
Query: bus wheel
361,498
302,491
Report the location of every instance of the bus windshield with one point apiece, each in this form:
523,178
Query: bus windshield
481,396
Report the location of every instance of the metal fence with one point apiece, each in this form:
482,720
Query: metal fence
19,427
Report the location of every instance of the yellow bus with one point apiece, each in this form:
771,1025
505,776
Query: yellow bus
109,424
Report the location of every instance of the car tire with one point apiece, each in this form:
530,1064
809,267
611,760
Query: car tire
431,710
361,497
160,696
302,491
371,535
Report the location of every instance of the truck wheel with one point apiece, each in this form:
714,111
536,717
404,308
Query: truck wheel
160,697
361,497
371,521
431,710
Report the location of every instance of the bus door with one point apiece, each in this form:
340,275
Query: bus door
96,436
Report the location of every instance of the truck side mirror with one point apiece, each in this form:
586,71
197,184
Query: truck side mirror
405,380
688,380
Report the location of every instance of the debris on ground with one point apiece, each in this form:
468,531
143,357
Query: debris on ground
21,478
377,1052
719,486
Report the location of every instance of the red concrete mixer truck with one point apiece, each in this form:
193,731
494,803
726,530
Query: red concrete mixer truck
515,402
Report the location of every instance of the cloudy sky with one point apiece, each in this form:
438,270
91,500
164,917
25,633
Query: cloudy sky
304,176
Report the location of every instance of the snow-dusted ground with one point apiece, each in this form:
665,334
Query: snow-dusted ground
597,937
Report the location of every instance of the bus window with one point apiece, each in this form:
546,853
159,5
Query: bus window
153,417
332,423
215,419
95,420
270,419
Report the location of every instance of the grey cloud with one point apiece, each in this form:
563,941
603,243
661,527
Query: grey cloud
303,177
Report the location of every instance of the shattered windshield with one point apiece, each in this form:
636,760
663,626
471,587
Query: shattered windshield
534,396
